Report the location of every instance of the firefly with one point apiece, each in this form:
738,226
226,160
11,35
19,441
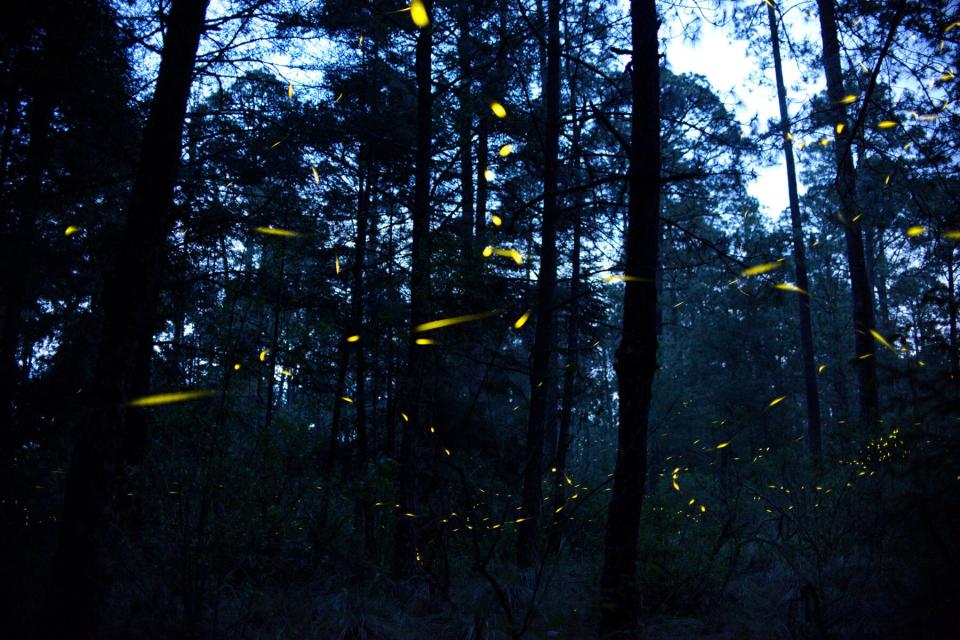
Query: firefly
167,398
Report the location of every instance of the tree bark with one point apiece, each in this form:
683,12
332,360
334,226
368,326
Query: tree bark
569,379
336,418
356,308
483,135
952,311
465,131
799,252
19,261
362,510
636,358
405,552
863,320
540,374
80,582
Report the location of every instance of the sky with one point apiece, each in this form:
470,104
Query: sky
723,60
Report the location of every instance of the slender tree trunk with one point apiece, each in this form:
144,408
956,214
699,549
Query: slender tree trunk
356,310
19,271
362,507
569,379
465,129
636,361
392,383
863,320
483,135
799,252
869,255
343,361
272,358
540,375
573,337
80,581
952,310
882,271
10,120
410,483
391,443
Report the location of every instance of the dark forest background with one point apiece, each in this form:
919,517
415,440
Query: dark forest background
358,319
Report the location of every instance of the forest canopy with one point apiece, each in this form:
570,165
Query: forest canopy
449,319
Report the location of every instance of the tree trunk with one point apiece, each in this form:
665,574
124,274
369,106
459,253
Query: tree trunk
799,253
540,375
18,271
343,361
569,379
465,131
362,507
405,552
80,582
881,283
863,321
272,359
636,361
356,309
483,135
952,310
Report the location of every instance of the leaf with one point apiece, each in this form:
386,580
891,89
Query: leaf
498,110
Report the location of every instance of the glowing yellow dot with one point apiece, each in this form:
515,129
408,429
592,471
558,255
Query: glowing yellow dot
419,14
522,320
